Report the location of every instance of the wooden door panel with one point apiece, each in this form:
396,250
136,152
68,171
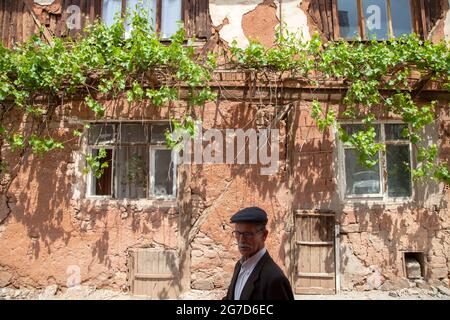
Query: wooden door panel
314,244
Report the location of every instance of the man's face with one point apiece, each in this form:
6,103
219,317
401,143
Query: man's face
250,238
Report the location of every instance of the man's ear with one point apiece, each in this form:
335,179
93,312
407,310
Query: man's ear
266,232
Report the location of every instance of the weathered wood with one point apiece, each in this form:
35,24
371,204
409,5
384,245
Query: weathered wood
315,253
154,276
335,16
155,273
315,275
158,15
313,290
361,23
315,243
6,22
423,19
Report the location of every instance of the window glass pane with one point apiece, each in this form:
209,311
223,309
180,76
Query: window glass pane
111,8
158,133
133,133
354,128
171,13
132,172
348,18
401,17
398,169
359,179
163,175
375,18
101,134
394,131
149,8
102,186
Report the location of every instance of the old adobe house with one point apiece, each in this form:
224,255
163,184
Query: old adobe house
173,234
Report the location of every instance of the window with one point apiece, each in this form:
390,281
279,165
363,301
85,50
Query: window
381,19
162,14
391,177
139,163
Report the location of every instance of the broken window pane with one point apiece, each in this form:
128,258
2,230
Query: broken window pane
398,170
170,15
111,9
375,19
132,172
158,133
163,175
359,179
133,133
102,186
394,131
348,19
101,134
401,17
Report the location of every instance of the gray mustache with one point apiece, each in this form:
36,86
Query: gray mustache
244,246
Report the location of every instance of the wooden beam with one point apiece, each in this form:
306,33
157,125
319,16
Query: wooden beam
423,19
150,276
361,22
315,275
336,31
389,14
420,85
315,243
313,290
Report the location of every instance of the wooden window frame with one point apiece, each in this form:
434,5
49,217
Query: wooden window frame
151,190
158,12
383,195
361,20
114,145
91,178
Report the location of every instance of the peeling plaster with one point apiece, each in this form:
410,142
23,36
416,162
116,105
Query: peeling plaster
233,11
294,17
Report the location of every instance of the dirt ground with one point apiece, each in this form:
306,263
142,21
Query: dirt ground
89,293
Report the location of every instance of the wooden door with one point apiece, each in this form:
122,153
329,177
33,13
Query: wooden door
154,273
315,271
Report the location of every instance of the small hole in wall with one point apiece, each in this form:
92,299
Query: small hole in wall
414,265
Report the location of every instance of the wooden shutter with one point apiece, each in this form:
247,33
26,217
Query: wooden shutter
428,12
20,19
324,16
315,271
154,273
196,18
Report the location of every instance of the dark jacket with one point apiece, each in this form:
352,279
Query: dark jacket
266,282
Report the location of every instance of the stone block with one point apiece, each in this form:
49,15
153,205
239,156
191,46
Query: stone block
203,285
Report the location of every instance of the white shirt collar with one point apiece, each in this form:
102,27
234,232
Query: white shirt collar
251,262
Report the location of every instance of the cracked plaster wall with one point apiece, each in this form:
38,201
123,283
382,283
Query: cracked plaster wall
230,14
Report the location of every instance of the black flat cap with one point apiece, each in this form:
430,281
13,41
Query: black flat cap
250,215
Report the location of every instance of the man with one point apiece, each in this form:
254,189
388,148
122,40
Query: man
256,276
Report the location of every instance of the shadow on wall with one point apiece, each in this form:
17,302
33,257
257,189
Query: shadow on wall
44,205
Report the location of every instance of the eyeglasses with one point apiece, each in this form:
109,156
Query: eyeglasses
245,235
